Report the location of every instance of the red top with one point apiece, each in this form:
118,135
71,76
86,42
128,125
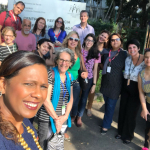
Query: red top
57,37
10,21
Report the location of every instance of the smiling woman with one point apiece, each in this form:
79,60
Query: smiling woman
7,47
23,89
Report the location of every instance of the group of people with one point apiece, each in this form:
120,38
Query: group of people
37,79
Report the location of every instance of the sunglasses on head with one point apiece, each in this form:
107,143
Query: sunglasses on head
59,21
113,40
75,39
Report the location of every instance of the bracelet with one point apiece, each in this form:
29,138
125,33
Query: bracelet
94,84
53,52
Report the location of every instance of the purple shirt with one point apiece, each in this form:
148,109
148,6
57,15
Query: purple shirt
83,32
27,43
90,64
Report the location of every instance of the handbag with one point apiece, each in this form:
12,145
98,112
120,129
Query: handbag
55,142
83,82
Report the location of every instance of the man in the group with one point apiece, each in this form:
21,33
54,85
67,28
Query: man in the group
83,28
25,40
11,18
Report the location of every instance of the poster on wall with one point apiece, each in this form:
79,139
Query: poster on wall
51,10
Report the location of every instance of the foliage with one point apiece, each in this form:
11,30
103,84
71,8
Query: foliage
135,33
2,8
98,84
99,25
128,11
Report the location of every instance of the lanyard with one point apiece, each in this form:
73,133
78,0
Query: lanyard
133,67
16,21
13,15
64,92
10,50
55,35
114,56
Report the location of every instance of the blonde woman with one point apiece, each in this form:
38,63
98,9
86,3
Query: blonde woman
72,42
7,47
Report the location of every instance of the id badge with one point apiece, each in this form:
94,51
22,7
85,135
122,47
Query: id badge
63,109
63,129
108,69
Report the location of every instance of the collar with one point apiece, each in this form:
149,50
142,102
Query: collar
86,25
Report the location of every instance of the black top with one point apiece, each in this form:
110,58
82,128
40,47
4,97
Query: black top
6,144
112,82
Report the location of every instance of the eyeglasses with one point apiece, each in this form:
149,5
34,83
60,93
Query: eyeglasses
59,21
11,36
113,40
92,41
75,39
62,60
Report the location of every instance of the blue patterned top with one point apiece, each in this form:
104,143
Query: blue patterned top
145,86
6,144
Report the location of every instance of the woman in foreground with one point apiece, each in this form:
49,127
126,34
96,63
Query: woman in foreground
23,89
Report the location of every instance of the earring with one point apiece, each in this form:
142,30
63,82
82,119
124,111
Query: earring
0,94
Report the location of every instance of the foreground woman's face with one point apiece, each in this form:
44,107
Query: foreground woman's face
26,92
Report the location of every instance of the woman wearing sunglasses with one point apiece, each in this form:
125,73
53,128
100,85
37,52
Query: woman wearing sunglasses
130,102
72,42
39,29
112,76
58,33
91,58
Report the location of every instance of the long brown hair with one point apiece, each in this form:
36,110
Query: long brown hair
105,43
65,43
9,68
35,26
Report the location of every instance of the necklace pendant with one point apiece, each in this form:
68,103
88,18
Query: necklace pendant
128,82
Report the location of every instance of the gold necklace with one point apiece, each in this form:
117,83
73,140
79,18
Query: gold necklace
23,142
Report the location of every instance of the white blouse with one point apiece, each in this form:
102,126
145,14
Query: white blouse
131,72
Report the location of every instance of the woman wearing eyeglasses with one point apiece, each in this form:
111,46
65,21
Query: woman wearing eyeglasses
91,59
55,113
58,33
130,102
72,42
39,29
112,76
7,47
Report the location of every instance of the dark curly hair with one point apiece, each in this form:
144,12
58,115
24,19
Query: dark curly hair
93,51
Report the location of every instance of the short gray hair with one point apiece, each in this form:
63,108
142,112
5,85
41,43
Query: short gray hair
67,50
83,11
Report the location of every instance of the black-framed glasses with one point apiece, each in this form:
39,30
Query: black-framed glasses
11,36
75,39
62,60
92,41
113,40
